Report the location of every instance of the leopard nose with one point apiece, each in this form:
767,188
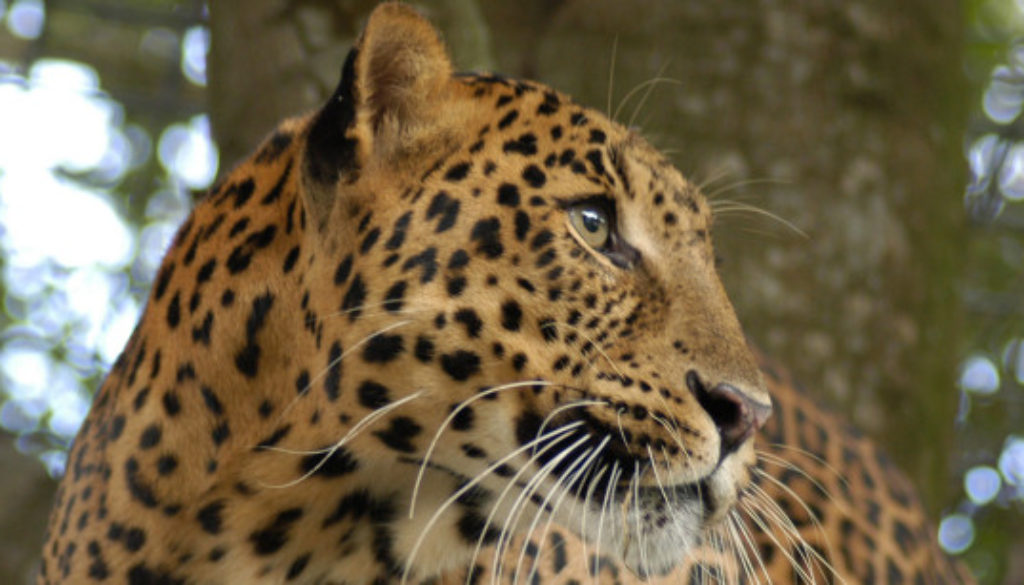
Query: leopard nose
735,414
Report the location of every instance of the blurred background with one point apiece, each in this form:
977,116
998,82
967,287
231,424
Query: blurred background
886,136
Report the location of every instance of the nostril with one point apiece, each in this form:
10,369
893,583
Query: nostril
735,414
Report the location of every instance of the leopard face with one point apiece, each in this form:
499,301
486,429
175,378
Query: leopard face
442,311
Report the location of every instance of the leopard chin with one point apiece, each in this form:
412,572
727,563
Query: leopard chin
652,527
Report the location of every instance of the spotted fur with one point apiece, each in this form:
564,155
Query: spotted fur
443,316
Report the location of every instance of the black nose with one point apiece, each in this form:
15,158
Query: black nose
735,414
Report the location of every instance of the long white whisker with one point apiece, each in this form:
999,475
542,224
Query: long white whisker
351,434
584,463
554,436
447,421
519,505
338,360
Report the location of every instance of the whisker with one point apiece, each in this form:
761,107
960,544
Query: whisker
573,473
647,94
447,421
611,77
804,453
554,436
640,87
725,206
520,503
785,550
338,360
351,434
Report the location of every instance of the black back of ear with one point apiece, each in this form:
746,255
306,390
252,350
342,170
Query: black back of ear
393,84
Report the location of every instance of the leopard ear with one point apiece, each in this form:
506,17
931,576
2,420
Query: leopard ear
393,86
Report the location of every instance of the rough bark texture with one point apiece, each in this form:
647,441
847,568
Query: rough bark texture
844,119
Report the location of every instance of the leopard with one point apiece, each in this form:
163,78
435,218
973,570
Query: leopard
456,328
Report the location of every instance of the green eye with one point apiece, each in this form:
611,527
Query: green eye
592,223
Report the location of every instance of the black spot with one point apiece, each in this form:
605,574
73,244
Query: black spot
548,329
247,359
474,528
332,381
209,517
140,574
508,195
456,285
507,119
549,105
534,176
150,437
400,434
166,464
457,172
446,207
525,145
373,395
344,269
275,192
337,461
398,232
487,232
597,136
543,238
238,227
370,239
559,559
424,350
205,271
211,401
519,361
162,280
241,256
220,433
139,490
174,311
355,296
272,537
290,259
459,259
471,321
596,161
302,382
297,566
461,364
394,298
201,334
464,418
382,348
172,404
274,437
427,261
511,315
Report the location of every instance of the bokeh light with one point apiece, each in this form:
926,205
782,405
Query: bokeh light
71,301
956,533
979,375
1011,464
194,47
982,484
25,18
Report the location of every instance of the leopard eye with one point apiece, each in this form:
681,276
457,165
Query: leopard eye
592,223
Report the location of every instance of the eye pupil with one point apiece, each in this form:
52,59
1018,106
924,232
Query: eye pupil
593,221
